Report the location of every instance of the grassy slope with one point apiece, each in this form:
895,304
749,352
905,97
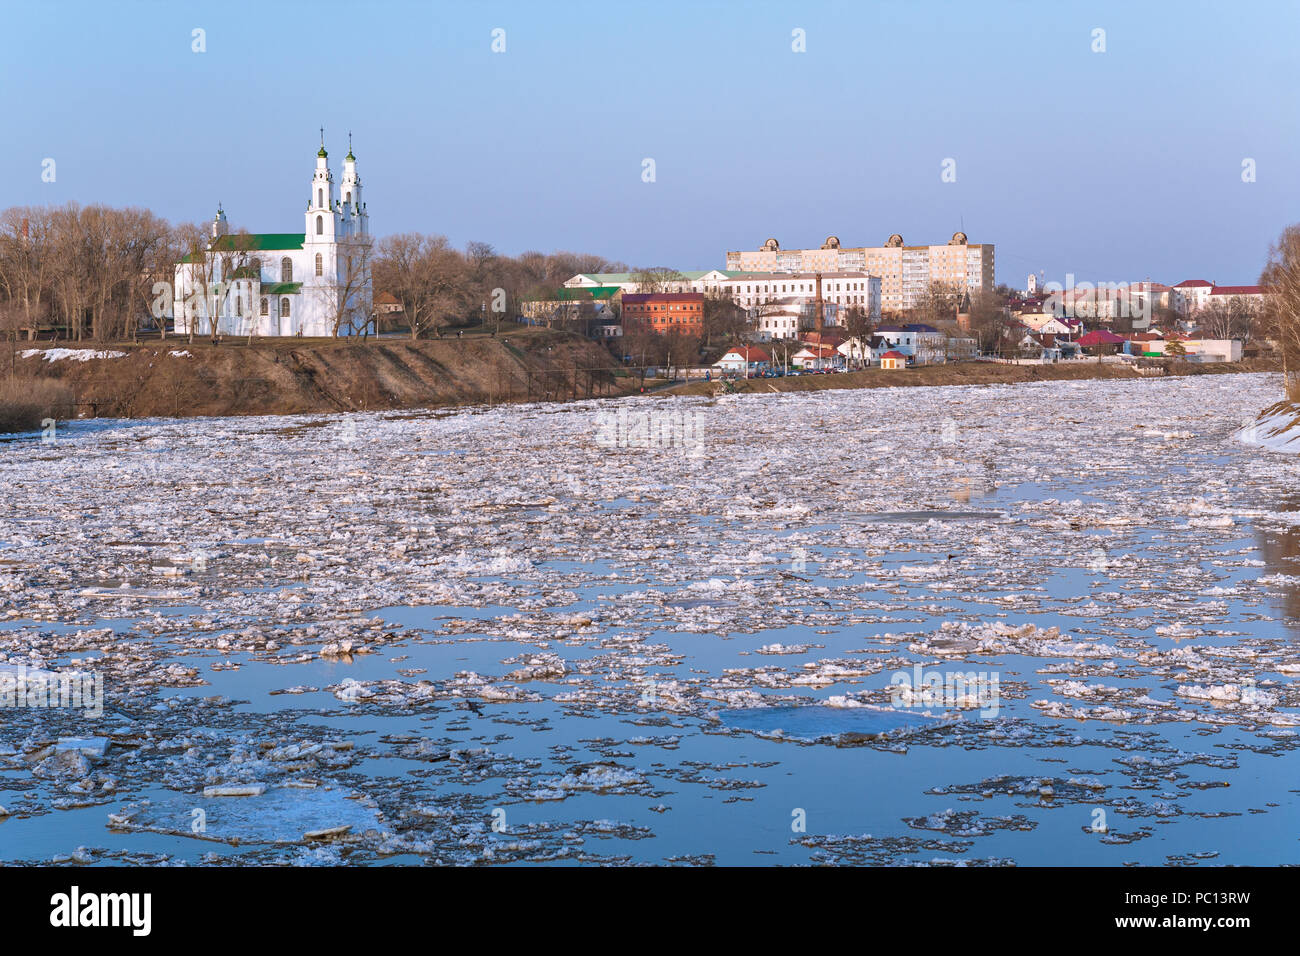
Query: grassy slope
289,376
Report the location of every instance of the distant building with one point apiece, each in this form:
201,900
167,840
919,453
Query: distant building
595,305
893,360
1192,295
925,344
744,359
1252,294
709,280
386,303
841,289
664,312
905,271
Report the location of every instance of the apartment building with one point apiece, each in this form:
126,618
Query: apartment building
905,271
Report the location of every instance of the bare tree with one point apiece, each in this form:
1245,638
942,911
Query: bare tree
1280,282
26,261
657,280
425,274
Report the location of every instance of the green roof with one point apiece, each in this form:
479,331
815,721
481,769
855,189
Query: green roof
615,278
592,292
264,240
282,288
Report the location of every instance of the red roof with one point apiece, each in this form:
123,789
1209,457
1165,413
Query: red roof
819,349
386,298
829,337
750,353
1194,283
893,353
1100,337
1236,290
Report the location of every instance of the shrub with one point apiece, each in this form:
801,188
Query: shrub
26,402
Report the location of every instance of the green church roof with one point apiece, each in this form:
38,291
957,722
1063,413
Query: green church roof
263,241
256,242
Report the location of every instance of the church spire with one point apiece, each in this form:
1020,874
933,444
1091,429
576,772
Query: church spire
322,209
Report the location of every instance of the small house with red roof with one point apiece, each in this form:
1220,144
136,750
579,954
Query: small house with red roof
744,359
893,360
815,357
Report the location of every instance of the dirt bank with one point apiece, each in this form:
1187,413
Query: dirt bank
288,376
961,373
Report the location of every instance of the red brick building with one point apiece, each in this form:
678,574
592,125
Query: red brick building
663,312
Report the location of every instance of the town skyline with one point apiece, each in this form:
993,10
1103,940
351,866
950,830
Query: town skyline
531,154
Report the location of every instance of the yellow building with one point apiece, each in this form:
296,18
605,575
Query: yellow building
905,271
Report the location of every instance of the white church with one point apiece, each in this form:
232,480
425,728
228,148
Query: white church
311,283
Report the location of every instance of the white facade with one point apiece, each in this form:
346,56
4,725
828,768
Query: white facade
313,283
845,289
1193,295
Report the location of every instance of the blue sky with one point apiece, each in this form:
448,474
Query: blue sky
1117,165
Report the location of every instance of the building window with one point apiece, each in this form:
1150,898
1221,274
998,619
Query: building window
347,197
320,199
286,269
265,308
320,225
320,265
239,305
284,308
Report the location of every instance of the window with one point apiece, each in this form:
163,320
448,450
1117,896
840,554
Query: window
320,199
347,197
286,269
265,308
320,225
320,265
284,308
239,305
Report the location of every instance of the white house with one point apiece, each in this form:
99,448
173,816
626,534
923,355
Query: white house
815,357
1192,295
311,283
743,359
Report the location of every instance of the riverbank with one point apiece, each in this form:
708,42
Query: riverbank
177,379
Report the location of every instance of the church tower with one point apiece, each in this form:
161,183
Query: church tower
220,226
354,210
322,210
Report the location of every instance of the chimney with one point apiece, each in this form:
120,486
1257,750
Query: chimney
817,305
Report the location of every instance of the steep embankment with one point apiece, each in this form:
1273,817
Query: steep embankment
175,378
